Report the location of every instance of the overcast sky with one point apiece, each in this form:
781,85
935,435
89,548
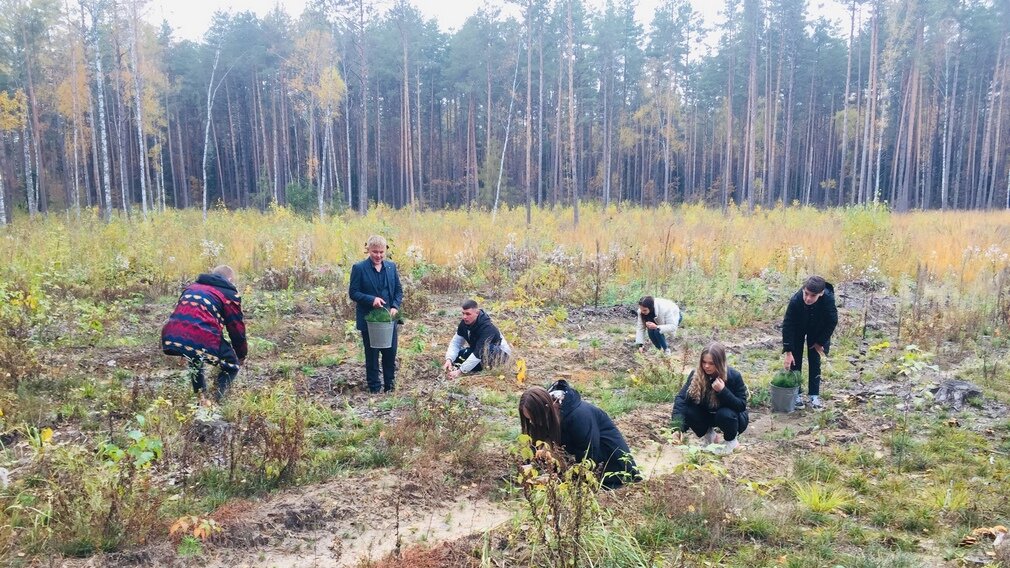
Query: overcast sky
191,18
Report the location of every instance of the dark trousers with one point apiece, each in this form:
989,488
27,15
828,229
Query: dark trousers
495,356
372,364
699,420
658,339
228,367
815,367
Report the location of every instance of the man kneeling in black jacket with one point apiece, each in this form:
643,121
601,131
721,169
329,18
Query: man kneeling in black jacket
477,343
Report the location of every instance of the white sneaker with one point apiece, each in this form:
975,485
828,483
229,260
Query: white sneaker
729,446
709,438
800,402
816,403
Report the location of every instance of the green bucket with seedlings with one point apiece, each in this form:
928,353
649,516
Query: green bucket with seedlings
380,328
784,388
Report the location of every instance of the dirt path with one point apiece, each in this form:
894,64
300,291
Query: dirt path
345,521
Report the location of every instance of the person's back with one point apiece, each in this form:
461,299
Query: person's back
205,309
588,432
195,330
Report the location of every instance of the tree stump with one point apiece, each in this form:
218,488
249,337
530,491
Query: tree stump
954,394
211,432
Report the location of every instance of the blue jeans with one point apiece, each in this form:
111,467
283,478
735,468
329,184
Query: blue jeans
658,339
372,363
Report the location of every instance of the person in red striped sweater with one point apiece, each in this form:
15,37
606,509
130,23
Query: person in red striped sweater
195,330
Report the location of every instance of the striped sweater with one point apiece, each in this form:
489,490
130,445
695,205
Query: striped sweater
196,327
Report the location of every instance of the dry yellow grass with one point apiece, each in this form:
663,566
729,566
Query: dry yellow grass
843,244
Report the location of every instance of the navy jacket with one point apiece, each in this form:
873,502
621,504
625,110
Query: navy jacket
816,322
587,431
365,287
733,396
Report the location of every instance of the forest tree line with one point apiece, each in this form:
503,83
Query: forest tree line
351,104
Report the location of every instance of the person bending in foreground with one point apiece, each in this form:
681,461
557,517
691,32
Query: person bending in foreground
559,416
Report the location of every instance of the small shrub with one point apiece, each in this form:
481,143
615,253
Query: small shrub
441,437
759,397
787,379
564,514
818,498
442,280
189,546
378,315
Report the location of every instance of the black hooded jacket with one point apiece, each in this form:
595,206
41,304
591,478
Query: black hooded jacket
587,431
480,335
815,322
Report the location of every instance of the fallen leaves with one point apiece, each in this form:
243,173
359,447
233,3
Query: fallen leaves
997,534
191,525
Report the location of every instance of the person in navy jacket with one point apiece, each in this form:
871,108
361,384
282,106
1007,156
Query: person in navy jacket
714,395
375,283
195,330
559,416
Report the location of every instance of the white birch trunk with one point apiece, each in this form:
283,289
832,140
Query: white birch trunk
206,128
102,130
141,146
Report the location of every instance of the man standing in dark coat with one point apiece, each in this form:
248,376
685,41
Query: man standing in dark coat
195,330
811,317
375,283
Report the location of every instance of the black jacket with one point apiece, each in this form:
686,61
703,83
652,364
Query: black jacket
480,335
587,431
733,396
366,284
815,322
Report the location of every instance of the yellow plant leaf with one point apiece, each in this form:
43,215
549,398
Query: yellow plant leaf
520,371
46,435
181,525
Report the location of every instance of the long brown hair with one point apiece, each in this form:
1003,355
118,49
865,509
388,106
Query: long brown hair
647,302
544,422
701,387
